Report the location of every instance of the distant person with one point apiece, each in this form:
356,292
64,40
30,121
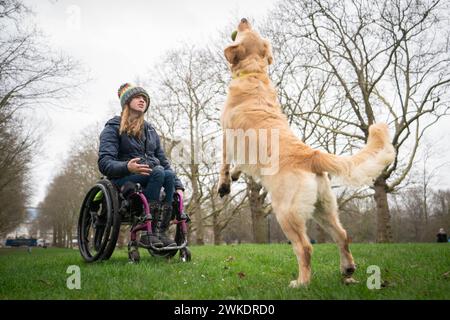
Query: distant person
441,236
130,150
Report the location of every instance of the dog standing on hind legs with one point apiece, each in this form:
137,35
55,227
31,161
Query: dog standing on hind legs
299,187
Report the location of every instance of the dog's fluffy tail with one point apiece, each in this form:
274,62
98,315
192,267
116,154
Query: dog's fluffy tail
363,167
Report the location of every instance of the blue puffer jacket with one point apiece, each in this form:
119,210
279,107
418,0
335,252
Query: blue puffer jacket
116,150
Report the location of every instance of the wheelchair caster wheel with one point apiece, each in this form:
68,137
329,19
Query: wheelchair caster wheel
133,254
185,255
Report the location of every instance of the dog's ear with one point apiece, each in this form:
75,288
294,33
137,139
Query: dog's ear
268,52
234,53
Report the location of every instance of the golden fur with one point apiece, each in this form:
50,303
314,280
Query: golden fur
300,189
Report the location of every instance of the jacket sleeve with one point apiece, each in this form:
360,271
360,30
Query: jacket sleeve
159,152
108,153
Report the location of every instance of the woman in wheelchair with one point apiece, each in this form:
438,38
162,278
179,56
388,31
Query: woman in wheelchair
130,151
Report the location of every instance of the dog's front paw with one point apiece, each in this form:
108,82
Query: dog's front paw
348,271
224,189
235,175
297,284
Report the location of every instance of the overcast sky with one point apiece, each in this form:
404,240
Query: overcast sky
119,41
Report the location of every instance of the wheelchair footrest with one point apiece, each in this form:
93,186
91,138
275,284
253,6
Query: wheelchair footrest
170,248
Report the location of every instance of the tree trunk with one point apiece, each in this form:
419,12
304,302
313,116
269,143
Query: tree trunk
384,231
199,239
60,236
259,224
55,235
66,239
425,210
217,226
69,236
259,221
195,207
217,231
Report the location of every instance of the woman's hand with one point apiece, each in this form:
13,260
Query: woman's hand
137,168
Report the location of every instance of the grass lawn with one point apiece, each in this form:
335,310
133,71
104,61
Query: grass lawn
249,271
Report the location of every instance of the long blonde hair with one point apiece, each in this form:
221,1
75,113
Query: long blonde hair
131,127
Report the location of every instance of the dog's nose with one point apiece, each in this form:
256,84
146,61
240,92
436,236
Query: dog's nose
244,25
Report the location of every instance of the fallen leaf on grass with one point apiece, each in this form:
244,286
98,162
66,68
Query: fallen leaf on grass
45,282
446,275
350,280
385,284
229,259
241,275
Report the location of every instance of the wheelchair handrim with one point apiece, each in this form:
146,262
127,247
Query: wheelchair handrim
83,243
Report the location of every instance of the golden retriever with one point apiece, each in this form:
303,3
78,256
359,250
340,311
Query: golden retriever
299,187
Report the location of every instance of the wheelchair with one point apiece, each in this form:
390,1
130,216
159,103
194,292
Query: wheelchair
105,208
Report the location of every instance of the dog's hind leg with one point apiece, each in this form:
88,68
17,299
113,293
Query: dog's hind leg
326,215
292,208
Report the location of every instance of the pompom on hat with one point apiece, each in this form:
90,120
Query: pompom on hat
127,91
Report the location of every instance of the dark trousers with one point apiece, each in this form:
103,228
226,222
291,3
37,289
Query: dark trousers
153,183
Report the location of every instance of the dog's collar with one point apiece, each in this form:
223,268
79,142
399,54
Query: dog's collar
244,74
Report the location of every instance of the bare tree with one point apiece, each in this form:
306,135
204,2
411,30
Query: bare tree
441,210
220,213
259,210
186,104
16,147
61,206
388,61
31,75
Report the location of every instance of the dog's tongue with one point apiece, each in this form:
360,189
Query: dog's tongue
233,35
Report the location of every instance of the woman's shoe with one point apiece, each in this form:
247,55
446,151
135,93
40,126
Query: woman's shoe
163,225
150,239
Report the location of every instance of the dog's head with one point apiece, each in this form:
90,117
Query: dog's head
248,51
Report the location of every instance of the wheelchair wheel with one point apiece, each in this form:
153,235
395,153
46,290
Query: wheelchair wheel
99,222
185,255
